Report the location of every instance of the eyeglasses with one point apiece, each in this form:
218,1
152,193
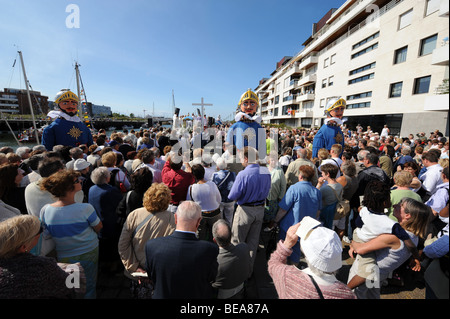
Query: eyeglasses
69,102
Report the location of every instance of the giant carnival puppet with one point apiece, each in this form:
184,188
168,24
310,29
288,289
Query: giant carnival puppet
67,129
247,130
330,133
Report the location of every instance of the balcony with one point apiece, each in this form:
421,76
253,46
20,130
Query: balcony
439,101
309,61
293,70
305,97
312,78
304,113
436,103
441,54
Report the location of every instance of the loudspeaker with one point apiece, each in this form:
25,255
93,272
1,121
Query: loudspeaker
177,111
211,121
150,122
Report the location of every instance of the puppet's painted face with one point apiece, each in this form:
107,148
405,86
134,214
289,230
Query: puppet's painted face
69,107
337,112
249,107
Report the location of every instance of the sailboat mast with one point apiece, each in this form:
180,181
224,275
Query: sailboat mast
77,71
173,103
29,97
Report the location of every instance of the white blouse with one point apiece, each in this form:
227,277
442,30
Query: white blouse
207,195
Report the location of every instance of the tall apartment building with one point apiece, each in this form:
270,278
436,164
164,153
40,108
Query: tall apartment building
388,58
15,101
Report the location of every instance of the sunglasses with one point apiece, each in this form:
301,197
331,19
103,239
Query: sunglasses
41,230
249,103
77,181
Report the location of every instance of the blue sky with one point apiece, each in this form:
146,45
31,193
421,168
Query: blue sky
134,53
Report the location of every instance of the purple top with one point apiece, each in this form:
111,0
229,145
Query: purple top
252,185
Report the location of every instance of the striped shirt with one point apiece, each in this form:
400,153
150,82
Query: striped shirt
71,228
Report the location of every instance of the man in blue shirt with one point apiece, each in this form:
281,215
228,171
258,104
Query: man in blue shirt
67,129
250,190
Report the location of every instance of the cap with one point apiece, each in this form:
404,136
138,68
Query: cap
113,143
98,149
80,164
321,246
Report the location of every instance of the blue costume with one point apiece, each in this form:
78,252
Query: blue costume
67,133
326,137
248,133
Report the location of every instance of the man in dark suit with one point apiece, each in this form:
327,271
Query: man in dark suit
180,265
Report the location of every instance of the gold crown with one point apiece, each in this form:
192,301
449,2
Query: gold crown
65,95
249,95
335,103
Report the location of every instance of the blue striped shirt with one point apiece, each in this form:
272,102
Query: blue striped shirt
71,228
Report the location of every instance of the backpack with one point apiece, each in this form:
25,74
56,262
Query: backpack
342,207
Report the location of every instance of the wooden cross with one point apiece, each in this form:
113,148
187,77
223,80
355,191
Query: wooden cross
203,104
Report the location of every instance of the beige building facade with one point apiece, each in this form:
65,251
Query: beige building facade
388,59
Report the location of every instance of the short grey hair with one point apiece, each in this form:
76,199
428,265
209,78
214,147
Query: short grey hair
302,153
21,151
221,163
99,176
362,154
189,211
156,151
39,148
348,168
406,150
76,152
222,235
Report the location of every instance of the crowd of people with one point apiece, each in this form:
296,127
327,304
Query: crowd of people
185,222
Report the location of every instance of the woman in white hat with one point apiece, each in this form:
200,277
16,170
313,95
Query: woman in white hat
323,253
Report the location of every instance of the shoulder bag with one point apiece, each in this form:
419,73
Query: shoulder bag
342,207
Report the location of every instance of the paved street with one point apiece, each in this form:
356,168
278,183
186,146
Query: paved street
260,286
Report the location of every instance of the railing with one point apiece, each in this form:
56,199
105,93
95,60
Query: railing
376,15
442,88
290,98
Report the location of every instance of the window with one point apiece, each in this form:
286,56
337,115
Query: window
405,19
362,78
324,83
427,45
306,122
400,55
366,50
360,43
322,103
432,6
333,59
396,89
359,96
325,62
358,105
286,82
363,68
308,105
277,99
330,80
422,85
